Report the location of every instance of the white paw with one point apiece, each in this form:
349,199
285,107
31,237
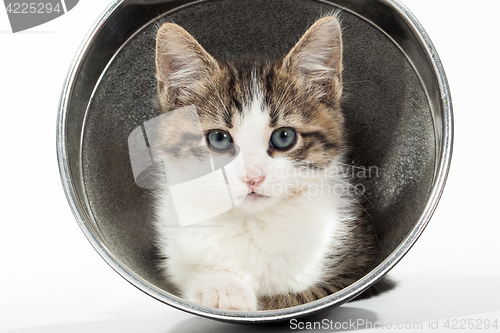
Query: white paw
224,291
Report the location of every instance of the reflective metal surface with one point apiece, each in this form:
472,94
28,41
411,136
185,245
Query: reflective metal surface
123,19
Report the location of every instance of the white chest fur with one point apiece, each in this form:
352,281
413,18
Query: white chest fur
280,252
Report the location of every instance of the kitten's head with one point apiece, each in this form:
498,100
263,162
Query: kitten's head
279,121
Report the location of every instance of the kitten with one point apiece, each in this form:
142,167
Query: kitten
295,232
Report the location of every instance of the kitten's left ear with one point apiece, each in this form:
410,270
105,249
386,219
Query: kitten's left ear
316,59
182,65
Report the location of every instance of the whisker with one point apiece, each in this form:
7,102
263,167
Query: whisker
305,102
226,114
283,93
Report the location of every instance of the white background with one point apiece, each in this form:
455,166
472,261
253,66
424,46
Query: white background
52,280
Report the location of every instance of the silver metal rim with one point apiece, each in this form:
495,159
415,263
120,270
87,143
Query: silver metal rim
340,297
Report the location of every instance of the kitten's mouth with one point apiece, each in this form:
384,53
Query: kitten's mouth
255,196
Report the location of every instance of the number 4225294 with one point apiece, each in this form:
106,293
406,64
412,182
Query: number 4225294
33,8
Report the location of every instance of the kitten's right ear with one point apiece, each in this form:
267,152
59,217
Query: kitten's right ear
181,62
316,59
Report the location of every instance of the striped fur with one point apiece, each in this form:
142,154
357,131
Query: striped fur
294,247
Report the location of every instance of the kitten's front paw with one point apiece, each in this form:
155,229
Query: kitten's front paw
224,292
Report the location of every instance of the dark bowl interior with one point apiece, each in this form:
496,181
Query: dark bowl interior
389,107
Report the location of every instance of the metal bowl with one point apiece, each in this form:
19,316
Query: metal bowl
398,114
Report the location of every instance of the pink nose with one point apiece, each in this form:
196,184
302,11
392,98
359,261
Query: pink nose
253,182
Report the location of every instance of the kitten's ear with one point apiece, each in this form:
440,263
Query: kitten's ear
316,59
181,62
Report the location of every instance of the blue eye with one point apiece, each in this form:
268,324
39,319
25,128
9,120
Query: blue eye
283,138
220,140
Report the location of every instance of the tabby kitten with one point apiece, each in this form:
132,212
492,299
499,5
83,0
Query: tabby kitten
295,232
